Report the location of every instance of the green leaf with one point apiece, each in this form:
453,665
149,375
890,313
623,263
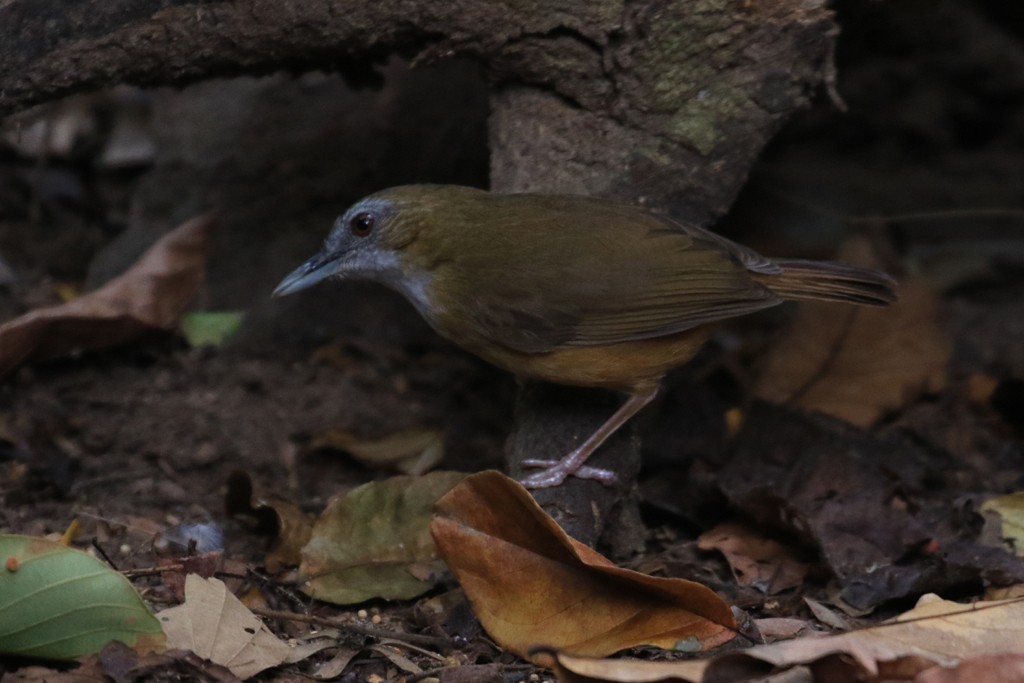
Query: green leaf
375,542
60,603
210,328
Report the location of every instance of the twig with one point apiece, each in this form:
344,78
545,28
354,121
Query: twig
151,571
436,642
945,214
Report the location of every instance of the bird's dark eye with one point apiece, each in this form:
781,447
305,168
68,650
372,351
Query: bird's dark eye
362,223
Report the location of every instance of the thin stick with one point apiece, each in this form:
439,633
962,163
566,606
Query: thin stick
152,571
436,642
940,215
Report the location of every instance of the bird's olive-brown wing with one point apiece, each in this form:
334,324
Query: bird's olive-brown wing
580,272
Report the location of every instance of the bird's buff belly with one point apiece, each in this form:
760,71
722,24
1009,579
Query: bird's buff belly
626,366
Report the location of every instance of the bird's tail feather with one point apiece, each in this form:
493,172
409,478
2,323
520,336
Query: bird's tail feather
828,281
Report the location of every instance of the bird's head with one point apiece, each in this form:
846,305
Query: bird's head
369,241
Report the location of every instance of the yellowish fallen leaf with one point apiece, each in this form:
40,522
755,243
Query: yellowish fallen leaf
1010,509
375,541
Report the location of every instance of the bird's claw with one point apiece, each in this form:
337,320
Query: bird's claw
555,472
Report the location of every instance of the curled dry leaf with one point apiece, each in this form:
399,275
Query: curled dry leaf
274,516
757,561
412,451
858,363
576,669
531,584
151,295
215,625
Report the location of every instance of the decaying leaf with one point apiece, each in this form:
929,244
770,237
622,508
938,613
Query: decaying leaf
124,665
857,363
336,665
531,584
864,499
1010,509
935,634
757,561
413,451
151,295
375,541
828,616
215,625
274,516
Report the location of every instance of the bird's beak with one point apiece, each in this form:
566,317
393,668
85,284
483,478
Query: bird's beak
308,274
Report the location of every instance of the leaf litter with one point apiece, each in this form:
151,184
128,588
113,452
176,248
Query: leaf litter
882,505
936,635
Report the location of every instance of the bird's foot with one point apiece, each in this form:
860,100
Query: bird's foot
556,471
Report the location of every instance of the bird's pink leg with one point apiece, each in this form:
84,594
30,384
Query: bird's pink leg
555,472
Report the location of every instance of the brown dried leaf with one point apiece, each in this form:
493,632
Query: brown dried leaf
858,363
990,669
215,625
757,561
205,565
530,583
778,628
290,526
151,295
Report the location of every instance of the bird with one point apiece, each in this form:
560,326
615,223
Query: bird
569,289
